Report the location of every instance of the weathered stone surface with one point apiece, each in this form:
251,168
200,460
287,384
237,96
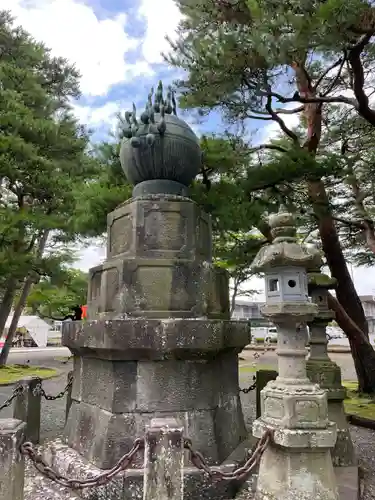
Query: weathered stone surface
159,262
130,339
289,475
295,407
289,312
12,463
284,251
103,437
163,227
323,371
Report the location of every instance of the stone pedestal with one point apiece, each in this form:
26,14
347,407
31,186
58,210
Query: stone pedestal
323,371
158,341
298,465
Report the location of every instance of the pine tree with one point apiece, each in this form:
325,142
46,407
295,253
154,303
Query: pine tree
245,57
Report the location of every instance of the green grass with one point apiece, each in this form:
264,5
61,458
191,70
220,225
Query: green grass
358,404
355,404
253,369
13,373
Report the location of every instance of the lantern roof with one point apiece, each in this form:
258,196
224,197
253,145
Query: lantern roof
285,250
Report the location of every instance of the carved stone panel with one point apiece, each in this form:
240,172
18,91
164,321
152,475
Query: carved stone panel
112,287
165,230
121,234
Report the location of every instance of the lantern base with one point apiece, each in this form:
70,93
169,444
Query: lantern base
288,474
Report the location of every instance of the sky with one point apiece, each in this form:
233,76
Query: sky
116,45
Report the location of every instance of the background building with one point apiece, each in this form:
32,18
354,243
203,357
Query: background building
247,310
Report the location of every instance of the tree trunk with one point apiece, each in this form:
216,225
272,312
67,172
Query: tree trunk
21,303
346,293
14,323
7,302
362,351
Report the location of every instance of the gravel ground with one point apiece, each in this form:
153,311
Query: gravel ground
364,441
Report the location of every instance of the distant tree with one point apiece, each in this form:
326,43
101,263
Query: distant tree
43,161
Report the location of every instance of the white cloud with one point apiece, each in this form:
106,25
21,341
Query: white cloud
161,20
90,257
71,29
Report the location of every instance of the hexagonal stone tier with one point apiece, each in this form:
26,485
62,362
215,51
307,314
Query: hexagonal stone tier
127,372
154,227
158,263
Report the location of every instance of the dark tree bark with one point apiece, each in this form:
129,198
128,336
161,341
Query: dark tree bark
20,304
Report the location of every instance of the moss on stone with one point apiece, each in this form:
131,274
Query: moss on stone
358,404
321,280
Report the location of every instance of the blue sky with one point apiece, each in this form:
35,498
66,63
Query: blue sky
116,45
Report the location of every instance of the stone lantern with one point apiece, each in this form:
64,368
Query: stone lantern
323,371
298,463
158,341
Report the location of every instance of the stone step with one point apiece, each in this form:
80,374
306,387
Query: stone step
38,487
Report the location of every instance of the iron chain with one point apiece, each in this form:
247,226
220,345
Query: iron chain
38,390
20,389
251,387
27,449
239,474
256,356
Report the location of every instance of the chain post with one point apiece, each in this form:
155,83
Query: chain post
27,408
164,460
12,464
262,379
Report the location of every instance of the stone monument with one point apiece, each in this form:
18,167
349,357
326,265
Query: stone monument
298,464
158,341
323,371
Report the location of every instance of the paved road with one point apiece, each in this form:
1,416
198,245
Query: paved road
344,360
40,356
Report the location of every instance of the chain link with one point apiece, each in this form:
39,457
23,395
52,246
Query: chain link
20,389
39,391
256,357
102,479
251,387
239,474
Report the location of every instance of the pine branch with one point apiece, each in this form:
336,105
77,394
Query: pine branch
280,121
328,70
274,147
358,78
